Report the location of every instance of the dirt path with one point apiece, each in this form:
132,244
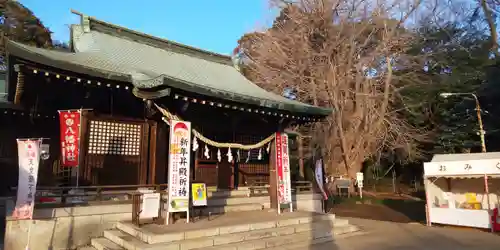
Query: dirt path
397,211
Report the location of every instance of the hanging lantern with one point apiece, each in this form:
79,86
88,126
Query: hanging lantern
259,157
219,157
229,155
195,144
207,153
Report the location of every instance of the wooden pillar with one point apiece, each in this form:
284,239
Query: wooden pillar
161,149
301,157
84,171
273,177
142,177
153,132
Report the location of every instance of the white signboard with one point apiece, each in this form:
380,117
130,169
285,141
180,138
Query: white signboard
29,160
283,168
150,205
179,162
359,178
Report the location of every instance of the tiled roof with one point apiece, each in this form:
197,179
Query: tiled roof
115,52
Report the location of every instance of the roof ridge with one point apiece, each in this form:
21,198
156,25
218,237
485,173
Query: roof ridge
167,44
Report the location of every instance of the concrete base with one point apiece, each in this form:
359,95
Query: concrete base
69,228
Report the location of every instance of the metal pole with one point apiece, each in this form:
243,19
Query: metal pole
480,121
483,149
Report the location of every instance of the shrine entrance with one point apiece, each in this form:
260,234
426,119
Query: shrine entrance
225,175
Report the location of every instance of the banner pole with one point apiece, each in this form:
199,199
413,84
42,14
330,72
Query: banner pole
79,149
278,160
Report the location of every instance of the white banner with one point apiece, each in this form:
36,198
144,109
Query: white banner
29,160
179,163
318,173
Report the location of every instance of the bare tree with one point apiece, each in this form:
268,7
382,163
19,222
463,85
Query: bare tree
349,55
489,7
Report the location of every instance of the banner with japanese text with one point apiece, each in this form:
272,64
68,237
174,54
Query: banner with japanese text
179,162
29,160
70,137
283,169
318,173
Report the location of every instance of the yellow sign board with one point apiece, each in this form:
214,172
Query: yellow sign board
199,194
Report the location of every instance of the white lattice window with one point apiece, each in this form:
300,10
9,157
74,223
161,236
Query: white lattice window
113,138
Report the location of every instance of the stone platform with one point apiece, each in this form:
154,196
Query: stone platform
73,227
231,231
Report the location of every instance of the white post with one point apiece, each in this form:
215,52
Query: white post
168,215
359,180
29,235
427,205
487,191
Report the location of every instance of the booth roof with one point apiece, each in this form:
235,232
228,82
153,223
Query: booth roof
466,157
464,166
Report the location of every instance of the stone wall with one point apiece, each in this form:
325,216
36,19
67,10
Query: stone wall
68,228
64,228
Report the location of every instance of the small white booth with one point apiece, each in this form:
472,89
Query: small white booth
463,189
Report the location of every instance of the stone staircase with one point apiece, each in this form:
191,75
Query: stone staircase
236,231
224,201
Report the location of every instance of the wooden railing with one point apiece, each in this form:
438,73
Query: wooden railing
302,187
83,194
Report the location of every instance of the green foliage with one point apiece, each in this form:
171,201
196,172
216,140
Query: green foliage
18,23
457,59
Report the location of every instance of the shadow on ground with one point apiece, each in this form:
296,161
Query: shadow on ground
393,210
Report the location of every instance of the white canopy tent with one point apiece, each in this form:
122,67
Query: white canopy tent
462,189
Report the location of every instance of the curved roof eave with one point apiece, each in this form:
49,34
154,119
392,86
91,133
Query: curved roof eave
40,56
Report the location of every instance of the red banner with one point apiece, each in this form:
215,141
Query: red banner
70,137
283,169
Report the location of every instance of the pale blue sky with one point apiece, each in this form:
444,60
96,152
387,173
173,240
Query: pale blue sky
214,25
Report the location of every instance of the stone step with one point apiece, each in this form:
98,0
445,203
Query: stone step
232,194
233,208
212,210
319,243
243,188
306,239
220,201
191,232
256,239
104,244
